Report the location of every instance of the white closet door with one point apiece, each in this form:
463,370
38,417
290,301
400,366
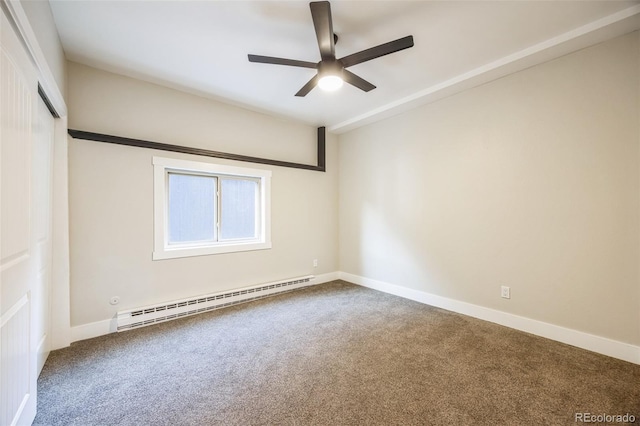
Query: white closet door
18,257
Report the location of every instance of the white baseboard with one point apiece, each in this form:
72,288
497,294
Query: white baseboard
93,329
43,352
325,278
601,345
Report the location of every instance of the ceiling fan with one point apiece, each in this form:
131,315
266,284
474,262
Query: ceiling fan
331,71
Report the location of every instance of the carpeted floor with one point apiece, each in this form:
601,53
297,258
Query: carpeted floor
333,354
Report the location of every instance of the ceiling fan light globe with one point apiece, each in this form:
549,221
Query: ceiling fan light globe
330,83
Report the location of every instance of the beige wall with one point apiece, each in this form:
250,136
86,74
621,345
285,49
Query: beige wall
531,181
111,195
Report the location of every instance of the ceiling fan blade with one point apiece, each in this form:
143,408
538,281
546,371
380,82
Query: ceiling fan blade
376,52
359,82
281,61
321,14
308,87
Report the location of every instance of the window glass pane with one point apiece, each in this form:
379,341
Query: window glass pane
192,208
238,209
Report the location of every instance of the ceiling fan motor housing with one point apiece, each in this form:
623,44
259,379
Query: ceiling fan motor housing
327,67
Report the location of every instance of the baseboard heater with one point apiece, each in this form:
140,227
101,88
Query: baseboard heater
153,314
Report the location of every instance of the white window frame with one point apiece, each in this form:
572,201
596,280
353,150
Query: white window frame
162,166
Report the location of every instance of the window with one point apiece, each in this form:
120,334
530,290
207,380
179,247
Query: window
204,208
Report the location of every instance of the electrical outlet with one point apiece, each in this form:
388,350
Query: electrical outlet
505,292
315,263
114,300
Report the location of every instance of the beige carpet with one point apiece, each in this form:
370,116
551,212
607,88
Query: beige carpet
333,354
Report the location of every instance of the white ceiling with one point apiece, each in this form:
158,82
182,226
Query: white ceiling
202,46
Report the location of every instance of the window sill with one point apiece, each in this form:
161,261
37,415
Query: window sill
178,252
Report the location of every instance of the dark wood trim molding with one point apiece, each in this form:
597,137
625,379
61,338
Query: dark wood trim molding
322,135
97,137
